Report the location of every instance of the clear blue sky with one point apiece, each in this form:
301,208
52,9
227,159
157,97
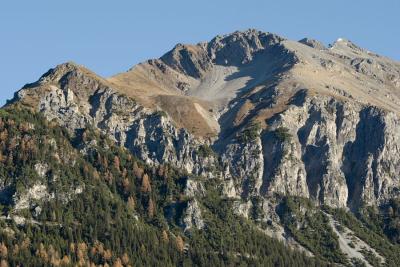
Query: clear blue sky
110,36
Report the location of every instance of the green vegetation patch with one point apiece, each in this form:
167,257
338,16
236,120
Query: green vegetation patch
283,134
251,133
205,151
310,227
122,216
368,228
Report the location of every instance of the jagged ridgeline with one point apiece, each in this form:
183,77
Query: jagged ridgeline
249,150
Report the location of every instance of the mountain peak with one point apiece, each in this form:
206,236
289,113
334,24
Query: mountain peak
233,49
56,73
192,60
312,43
345,44
263,121
66,76
248,33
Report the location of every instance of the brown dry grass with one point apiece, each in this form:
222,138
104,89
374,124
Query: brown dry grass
184,113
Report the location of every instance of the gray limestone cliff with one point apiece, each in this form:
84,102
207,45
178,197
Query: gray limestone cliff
295,118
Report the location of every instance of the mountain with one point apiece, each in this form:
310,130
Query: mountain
290,146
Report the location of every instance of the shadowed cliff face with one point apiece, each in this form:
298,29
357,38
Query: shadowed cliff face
340,154
283,117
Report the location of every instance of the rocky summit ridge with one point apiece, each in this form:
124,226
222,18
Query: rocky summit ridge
265,115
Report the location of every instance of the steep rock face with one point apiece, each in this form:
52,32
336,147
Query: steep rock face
324,131
36,192
235,49
155,140
192,216
313,43
244,166
191,60
267,117
337,153
371,160
240,47
78,99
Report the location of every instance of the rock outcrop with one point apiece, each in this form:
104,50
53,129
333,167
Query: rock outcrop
77,98
293,118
